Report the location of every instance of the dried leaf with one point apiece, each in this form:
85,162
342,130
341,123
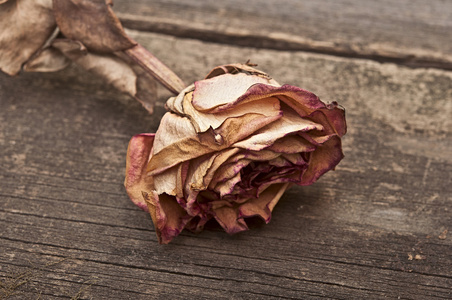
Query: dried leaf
93,23
123,75
49,59
33,25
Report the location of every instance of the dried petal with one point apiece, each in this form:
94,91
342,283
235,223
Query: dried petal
138,154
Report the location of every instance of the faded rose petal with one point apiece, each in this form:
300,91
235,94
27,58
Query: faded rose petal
232,130
289,123
228,218
29,24
93,23
167,215
226,88
263,205
325,158
138,154
203,121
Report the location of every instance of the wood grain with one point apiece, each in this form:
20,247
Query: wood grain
413,33
368,230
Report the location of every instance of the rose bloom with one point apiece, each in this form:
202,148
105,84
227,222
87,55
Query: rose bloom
228,148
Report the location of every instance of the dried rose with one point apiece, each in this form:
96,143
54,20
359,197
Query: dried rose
229,148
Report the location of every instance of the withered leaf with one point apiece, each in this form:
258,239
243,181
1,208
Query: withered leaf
93,23
124,75
48,59
25,27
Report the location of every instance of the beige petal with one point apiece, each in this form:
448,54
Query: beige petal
173,129
181,149
291,144
174,104
25,27
289,123
203,121
237,68
166,181
226,89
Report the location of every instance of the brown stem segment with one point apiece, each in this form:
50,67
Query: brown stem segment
156,68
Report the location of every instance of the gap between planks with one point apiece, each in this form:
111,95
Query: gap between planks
413,58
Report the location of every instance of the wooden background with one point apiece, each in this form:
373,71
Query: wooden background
379,227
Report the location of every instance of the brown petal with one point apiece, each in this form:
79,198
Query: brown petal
184,149
93,23
228,218
25,27
264,204
291,144
138,154
168,216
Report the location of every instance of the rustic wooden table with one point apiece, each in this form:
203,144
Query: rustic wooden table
377,227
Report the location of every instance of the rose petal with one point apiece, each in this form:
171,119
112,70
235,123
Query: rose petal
287,124
168,216
226,88
231,131
138,154
264,204
300,100
203,121
228,218
291,144
325,158
238,68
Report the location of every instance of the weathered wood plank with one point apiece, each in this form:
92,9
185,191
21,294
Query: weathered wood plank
414,33
368,230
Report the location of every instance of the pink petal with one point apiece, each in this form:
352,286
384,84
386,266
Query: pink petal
138,155
168,216
323,159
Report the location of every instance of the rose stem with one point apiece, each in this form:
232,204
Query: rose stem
156,68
